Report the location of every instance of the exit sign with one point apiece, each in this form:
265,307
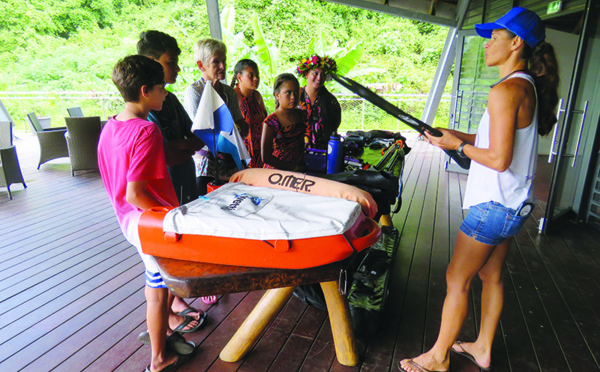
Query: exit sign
555,6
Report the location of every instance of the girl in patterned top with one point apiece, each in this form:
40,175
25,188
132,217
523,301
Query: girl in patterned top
282,145
323,111
245,83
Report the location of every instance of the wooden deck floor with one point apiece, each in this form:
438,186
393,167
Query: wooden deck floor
71,288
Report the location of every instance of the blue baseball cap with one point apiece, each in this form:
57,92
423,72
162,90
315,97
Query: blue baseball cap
520,21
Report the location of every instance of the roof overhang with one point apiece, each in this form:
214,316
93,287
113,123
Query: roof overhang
439,12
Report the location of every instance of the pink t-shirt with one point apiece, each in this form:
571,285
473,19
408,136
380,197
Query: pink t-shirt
128,151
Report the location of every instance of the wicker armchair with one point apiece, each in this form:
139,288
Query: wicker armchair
75,112
10,170
53,144
82,135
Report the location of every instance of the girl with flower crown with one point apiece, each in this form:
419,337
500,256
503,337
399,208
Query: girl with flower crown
323,110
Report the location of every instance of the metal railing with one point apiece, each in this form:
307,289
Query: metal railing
357,114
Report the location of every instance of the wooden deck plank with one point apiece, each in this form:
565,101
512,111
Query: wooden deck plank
535,316
562,306
576,257
380,349
63,264
58,234
205,354
70,302
52,259
440,253
73,343
43,215
292,355
125,328
228,323
47,241
271,344
584,242
45,193
515,332
411,332
128,353
540,306
71,270
322,353
46,222
97,267
53,329
59,190
112,357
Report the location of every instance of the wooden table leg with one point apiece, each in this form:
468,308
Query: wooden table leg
255,324
341,324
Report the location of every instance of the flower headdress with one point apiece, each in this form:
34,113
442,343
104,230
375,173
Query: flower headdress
327,64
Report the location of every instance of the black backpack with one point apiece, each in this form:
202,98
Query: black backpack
368,282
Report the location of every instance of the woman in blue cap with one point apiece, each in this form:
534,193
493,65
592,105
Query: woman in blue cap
521,105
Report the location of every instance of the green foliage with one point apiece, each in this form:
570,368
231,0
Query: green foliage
349,58
57,45
346,57
266,52
93,34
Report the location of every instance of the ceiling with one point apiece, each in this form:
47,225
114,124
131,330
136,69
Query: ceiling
569,22
446,12
441,12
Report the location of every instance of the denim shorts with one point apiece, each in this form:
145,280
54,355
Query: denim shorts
492,223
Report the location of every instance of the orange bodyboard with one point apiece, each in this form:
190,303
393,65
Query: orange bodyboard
282,254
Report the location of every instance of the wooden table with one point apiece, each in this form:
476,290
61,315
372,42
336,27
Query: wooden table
195,279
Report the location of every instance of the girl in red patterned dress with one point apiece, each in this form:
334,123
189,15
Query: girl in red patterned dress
245,83
282,145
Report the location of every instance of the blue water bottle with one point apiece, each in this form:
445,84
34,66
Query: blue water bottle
335,156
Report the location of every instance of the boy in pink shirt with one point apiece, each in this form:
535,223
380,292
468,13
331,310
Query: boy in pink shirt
133,168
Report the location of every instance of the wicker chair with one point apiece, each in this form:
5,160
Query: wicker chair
10,170
53,144
82,140
75,112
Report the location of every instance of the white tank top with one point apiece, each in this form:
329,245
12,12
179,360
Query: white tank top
515,185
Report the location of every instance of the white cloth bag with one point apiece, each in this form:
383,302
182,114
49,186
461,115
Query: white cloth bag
237,210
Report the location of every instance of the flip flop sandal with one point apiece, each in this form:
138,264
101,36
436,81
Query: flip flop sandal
417,367
209,300
175,342
467,355
181,327
190,310
173,366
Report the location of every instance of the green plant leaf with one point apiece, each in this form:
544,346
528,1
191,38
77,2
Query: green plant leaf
228,19
349,58
265,52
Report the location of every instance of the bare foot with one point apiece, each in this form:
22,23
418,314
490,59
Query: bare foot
179,305
209,300
176,321
158,364
469,350
423,363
